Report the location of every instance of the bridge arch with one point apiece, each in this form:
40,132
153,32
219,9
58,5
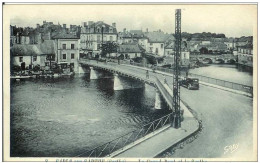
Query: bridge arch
208,60
220,60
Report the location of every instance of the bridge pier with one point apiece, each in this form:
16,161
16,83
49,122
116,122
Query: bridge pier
80,69
93,73
120,83
157,104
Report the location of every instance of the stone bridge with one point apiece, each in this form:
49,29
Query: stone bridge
224,58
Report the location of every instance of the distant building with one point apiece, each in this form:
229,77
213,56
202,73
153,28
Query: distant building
245,55
185,53
67,49
127,51
157,41
133,36
94,34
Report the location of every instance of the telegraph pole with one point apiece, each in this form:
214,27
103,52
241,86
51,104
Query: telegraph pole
176,72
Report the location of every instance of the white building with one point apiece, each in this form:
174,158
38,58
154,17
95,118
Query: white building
157,41
94,34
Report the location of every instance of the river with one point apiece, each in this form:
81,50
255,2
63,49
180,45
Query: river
68,117
225,72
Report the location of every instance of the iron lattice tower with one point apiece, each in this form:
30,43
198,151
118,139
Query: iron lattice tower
176,83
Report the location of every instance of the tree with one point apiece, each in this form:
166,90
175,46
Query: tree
108,48
204,50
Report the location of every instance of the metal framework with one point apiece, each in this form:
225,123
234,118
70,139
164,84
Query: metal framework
176,72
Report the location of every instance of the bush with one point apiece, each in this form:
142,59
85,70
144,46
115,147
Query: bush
37,68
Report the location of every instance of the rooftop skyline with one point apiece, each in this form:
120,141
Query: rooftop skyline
232,20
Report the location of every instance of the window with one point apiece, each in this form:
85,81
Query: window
111,38
151,44
135,55
64,56
98,38
72,56
98,30
20,59
161,45
34,58
63,46
72,46
156,50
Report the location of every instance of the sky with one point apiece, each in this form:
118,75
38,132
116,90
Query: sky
232,20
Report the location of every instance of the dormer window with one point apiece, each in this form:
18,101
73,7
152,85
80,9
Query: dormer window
98,30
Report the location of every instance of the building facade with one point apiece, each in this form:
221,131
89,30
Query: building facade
94,34
67,50
245,55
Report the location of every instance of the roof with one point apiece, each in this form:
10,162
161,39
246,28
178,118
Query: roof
158,37
100,24
171,45
63,35
25,50
129,48
47,47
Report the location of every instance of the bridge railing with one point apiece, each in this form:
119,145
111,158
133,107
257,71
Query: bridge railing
121,142
223,83
219,82
167,95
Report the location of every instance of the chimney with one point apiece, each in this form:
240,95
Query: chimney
70,27
124,30
64,26
147,30
85,24
114,25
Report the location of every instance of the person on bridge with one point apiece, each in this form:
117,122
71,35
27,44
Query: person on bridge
164,79
147,74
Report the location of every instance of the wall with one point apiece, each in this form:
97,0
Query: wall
154,46
27,59
68,51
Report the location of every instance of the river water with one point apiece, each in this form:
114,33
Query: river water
225,72
67,117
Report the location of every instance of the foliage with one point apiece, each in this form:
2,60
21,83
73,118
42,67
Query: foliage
204,50
108,47
36,68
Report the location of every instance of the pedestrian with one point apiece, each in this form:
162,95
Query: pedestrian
147,74
164,79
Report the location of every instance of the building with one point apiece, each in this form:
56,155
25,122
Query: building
185,53
67,50
245,55
32,55
157,41
128,51
94,34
